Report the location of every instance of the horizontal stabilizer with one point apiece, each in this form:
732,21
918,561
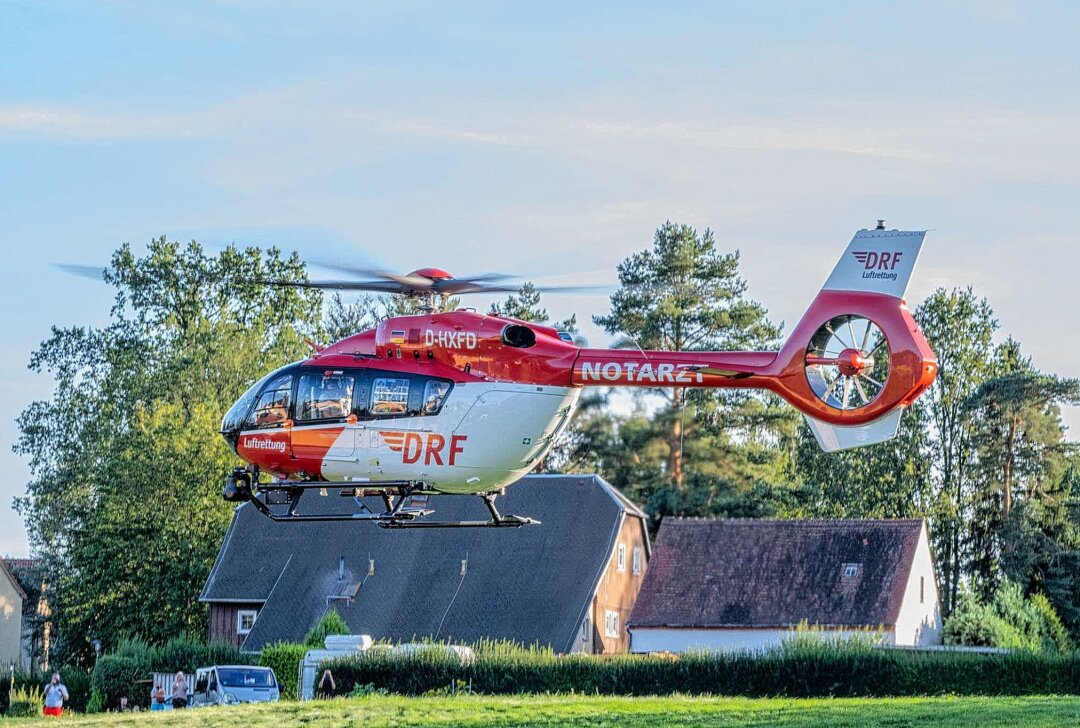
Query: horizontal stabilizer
878,261
842,437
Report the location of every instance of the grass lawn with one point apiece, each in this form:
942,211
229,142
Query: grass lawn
607,711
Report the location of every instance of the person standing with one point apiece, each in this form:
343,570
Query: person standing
56,694
179,691
326,685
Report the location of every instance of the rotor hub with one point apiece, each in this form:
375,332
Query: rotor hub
851,362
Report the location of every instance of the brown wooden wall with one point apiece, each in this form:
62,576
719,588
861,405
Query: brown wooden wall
618,590
223,622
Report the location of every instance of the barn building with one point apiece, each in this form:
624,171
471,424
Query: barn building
569,583
747,583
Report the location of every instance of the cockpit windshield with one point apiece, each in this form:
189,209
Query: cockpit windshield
234,418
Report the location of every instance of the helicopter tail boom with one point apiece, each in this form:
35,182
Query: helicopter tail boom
852,364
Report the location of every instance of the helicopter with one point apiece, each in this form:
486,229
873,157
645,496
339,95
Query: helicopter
464,403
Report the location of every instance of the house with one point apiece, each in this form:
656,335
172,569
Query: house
11,608
568,583
36,614
746,583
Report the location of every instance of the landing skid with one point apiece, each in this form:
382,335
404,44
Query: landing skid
404,504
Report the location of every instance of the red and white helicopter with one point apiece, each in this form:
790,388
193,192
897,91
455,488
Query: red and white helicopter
460,402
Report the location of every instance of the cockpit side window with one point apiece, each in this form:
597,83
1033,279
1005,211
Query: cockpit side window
272,407
435,392
389,396
324,395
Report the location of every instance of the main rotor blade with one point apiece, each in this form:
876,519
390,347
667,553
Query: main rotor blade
92,272
378,286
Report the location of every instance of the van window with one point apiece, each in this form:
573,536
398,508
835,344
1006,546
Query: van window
324,395
238,677
273,406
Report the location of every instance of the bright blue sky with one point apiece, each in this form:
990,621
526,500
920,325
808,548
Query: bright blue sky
541,140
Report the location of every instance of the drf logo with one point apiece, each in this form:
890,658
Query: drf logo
412,445
873,260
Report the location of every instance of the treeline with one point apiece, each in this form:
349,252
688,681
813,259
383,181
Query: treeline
124,512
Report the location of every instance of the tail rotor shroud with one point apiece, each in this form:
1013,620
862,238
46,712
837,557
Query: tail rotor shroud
848,362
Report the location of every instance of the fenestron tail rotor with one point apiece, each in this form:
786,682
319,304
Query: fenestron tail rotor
847,362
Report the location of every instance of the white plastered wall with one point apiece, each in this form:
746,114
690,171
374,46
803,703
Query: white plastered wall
919,620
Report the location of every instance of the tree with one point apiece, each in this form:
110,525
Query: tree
887,480
124,507
684,295
525,306
345,319
960,328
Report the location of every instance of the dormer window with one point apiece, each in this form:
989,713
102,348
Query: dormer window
851,571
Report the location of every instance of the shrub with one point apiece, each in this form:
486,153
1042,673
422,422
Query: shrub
284,658
331,623
116,676
116,673
75,679
26,702
1009,620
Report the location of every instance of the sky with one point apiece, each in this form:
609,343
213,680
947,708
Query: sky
544,139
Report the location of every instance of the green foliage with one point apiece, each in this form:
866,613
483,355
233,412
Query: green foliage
803,668
124,505
284,659
26,702
707,452
1009,620
75,679
331,623
116,674
97,703
366,691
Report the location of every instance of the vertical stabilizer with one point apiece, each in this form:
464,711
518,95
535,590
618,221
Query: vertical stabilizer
878,261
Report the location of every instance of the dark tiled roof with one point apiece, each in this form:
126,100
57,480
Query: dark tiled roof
768,573
529,584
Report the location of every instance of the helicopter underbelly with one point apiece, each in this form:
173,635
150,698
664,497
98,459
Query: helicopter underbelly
486,436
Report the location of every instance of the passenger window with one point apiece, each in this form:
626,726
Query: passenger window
324,396
434,394
389,396
273,406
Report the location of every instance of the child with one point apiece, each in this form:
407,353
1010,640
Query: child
159,701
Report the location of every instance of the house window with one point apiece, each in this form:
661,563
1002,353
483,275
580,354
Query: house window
586,629
851,571
245,620
637,560
922,590
611,623
620,557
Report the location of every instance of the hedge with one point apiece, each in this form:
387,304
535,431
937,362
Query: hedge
118,674
284,658
797,670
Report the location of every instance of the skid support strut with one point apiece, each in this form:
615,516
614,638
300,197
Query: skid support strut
405,503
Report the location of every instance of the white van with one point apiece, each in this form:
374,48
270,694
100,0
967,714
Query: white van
234,684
